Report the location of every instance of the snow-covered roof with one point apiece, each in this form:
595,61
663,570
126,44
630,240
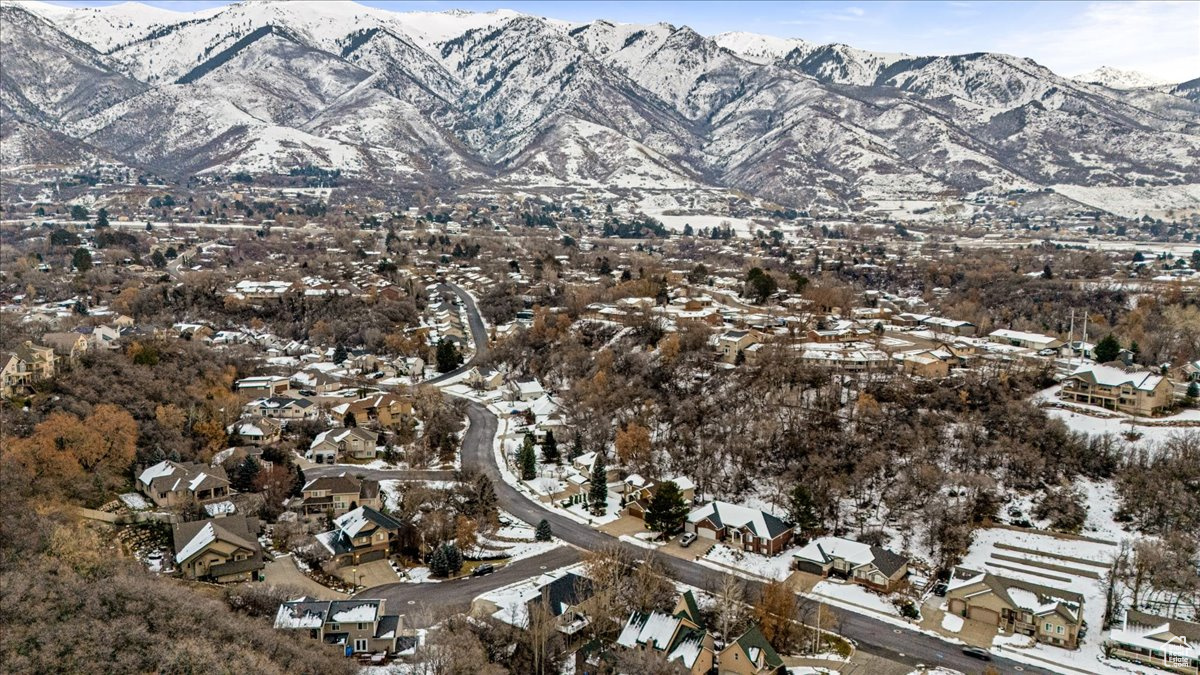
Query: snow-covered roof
735,515
163,468
204,537
655,629
1108,376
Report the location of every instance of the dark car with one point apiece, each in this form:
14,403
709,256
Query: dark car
687,539
977,653
940,589
482,570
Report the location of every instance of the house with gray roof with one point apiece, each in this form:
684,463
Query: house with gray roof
1047,614
223,550
871,566
172,484
355,626
740,527
360,536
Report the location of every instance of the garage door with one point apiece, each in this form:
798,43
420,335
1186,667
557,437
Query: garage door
706,533
988,616
372,555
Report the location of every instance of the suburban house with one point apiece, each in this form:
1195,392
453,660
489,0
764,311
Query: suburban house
382,409
357,626
1016,338
928,363
734,342
1047,614
566,599
750,654
1152,640
224,550
100,336
257,430
317,381
485,378
331,445
338,494
871,566
67,346
1191,371
266,385
639,491
1136,393
361,535
285,408
740,527
585,462
22,367
172,484
680,636
528,391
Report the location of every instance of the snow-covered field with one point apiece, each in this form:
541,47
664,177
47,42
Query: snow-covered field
777,567
980,557
854,595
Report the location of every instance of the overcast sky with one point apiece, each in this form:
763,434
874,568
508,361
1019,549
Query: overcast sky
1161,39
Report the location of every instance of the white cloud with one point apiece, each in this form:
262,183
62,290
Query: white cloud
1161,39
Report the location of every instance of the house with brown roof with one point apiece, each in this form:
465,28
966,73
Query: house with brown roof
334,444
172,484
354,626
67,346
1047,614
257,430
223,550
383,409
338,494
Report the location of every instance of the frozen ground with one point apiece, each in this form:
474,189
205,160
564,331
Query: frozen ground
777,567
856,596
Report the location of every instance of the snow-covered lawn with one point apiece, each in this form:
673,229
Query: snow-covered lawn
854,595
1088,656
776,567
135,501
641,539
1152,432
612,511
511,600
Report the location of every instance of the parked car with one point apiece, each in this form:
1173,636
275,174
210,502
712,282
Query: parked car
687,539
940,589
977,653
486,568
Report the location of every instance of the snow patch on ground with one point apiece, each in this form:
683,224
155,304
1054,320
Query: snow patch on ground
777,567
952,623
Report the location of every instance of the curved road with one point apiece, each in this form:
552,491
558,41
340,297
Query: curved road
872,636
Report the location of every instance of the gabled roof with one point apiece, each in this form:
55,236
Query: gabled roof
340,484
193,537
1108,376
756,648
655,630
564,593
724,514
353,522
168,476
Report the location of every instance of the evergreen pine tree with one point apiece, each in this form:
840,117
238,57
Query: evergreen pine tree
598,494
543,532
339,354
803,511
550,449
244,474
667,510
528,459
81,260
1107,349
454,559
439,566
101,218
1193,391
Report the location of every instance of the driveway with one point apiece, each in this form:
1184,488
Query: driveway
283,572
369,574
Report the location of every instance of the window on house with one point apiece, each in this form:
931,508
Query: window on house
1049,628
1058,629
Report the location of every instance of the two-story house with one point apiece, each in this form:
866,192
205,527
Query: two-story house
360,536
24,366
333,444
171,484
638,492
680,637
224,550
284,408
740,527
871,566
338,494
355,626
1049,615
384,409
734,342
263,385
257,430
68,346
1159,642
1136,393
750,654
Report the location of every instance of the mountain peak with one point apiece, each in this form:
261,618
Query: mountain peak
1116,78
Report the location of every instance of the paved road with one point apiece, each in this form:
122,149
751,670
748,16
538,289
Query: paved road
478,333
872,636
321,470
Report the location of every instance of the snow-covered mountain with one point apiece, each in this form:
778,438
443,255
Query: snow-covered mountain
460,98
1115,78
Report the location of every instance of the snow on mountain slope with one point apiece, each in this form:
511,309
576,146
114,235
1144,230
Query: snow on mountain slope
761,48
1115,78
110,26
404,70
680,67
842,64
431,29
50,77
